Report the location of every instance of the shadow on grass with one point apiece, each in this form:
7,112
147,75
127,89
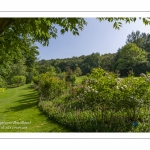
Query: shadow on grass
26,101
29,87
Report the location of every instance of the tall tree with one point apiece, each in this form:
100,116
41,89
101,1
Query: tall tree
129,57
107,61
138,38
90,62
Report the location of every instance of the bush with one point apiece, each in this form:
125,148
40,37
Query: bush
2,83
50,87
110,94
29,77
61,76
18,80
2,90
36,79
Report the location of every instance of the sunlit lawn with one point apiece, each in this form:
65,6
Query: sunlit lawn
19,112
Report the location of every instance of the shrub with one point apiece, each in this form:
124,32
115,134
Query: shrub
97,73
50,87
18,80
2,90
29,77
36,79
61,76
2,83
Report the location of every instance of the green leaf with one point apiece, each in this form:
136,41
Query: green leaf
62,31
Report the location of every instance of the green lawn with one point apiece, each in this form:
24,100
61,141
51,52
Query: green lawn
19,112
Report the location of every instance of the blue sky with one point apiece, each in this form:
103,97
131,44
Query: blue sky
96,37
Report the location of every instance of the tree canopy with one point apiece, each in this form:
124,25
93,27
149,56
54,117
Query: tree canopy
129,57
17,33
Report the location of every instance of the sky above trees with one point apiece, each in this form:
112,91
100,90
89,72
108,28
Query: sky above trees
96,37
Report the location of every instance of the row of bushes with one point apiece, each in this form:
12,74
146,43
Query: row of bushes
15,82
102,102
18,80
90,121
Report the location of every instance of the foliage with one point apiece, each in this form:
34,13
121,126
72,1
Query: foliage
2,90
70,76
78,71
90,62
50,87
138,38
45,67
29,77
18,80
78,65
36,79
2,83
16,33
97,73
107,61
128,57
103,103
61,76
18,65
118,20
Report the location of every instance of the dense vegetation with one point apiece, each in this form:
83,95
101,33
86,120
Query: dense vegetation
101,102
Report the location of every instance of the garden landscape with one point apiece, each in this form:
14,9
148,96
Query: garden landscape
107,92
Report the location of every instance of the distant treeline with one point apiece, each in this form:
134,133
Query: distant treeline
133,57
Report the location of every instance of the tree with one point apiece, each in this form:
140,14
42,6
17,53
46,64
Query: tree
66,23
117,21
107,61
142,40
129,57
37,29
18,34
138,38
78,71
14,30
90,62
70,76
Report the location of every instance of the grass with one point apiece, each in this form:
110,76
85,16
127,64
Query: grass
19,112
79,79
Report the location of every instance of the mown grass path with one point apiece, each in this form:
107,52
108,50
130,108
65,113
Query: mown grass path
19,112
